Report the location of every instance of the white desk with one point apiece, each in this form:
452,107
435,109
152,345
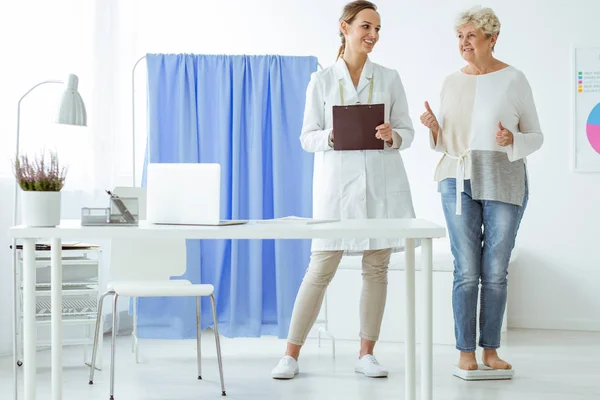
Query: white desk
407,229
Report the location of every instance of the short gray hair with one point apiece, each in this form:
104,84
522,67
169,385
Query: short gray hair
483,18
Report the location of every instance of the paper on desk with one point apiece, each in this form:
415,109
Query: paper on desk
70,244
296,220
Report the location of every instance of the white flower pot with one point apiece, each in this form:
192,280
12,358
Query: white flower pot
40,209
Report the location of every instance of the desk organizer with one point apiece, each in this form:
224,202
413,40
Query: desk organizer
123,211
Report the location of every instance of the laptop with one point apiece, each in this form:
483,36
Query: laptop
185,194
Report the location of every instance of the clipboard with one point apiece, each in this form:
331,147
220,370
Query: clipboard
354,126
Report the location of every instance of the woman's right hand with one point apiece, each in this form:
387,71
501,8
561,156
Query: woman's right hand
429,120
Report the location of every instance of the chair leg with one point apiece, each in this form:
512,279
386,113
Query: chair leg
326,329
112,348
319,338
134,324
97,336
198,338
218,343
135,345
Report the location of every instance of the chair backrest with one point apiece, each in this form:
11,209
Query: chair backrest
145,259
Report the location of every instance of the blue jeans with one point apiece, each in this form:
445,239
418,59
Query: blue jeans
481,239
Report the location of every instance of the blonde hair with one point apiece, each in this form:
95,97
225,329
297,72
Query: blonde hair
482,18
349,13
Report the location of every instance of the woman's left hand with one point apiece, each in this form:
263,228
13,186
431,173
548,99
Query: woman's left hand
504,137
384,132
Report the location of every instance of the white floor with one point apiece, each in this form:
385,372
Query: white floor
549,365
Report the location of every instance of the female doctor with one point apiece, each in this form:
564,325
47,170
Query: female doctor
352,184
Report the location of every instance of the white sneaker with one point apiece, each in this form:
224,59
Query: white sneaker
369,366
286,369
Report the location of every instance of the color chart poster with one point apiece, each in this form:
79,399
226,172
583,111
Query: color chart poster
587,109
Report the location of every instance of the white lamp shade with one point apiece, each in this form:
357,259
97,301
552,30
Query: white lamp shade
71,108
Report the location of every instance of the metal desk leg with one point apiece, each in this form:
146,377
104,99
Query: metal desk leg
410,367
56,316
427,342
29,329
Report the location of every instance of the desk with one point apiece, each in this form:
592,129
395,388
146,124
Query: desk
407,229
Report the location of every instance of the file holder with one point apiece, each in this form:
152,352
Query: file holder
123,211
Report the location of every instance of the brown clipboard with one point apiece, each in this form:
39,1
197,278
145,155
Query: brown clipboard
354,126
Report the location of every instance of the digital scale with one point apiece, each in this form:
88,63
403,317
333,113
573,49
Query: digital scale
483,373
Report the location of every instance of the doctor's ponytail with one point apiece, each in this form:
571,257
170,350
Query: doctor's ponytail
349,14
342,47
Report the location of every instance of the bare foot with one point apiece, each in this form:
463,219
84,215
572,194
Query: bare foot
491,359
467,361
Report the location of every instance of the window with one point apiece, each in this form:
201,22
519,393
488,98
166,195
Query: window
44,40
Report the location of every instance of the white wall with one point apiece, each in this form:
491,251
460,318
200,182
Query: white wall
554,282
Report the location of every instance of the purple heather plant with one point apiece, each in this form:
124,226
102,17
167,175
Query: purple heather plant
38,175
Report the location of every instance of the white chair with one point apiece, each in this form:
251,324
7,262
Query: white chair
140,194
143,268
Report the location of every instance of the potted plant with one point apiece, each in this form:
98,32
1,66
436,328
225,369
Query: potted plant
41,181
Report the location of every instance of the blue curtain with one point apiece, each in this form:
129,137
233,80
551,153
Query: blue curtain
245,113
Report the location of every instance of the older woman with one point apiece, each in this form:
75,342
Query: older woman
486,126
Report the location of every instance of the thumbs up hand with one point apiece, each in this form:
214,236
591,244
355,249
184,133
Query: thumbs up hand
429,120
504,137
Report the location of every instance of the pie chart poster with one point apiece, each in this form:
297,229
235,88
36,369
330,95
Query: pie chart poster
587,109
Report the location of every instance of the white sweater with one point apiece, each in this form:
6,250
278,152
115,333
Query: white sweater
471,106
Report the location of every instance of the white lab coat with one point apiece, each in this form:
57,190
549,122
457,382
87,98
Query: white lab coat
357,184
